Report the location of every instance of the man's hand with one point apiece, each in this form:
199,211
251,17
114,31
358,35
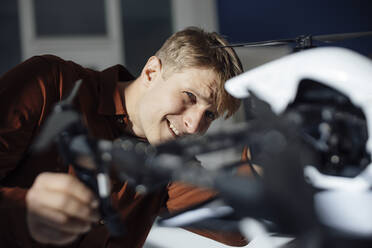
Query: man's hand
59,208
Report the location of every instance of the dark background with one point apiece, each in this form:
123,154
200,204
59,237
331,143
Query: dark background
248,21
146,24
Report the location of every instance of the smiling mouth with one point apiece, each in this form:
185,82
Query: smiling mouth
173,129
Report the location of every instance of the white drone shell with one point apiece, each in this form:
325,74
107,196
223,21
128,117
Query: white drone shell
276,82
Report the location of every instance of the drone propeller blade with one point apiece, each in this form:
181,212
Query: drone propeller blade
58,120
55,124
303,41
262,43
74,92
339,37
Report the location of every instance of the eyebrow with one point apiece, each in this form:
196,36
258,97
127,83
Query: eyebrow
204,98
210,99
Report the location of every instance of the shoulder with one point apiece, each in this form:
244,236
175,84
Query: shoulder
41,65
43,60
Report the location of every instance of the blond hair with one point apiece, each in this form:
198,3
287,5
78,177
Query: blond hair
195,48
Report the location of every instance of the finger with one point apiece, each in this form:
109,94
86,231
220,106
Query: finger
62,223
48,235
63,204
67,183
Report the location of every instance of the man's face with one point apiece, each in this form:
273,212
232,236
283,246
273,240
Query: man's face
183,103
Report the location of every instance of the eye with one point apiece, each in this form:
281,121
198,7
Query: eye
191,96
210,115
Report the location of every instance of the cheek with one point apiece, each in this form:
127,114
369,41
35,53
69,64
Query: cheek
170,105
163,101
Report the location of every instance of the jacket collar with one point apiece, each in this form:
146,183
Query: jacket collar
110,101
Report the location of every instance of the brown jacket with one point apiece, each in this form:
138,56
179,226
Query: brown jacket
27,95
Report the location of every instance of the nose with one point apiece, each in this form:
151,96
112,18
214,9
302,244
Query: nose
193,121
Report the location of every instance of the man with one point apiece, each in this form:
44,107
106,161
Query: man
179,92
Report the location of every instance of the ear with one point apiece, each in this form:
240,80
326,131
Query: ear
151,70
